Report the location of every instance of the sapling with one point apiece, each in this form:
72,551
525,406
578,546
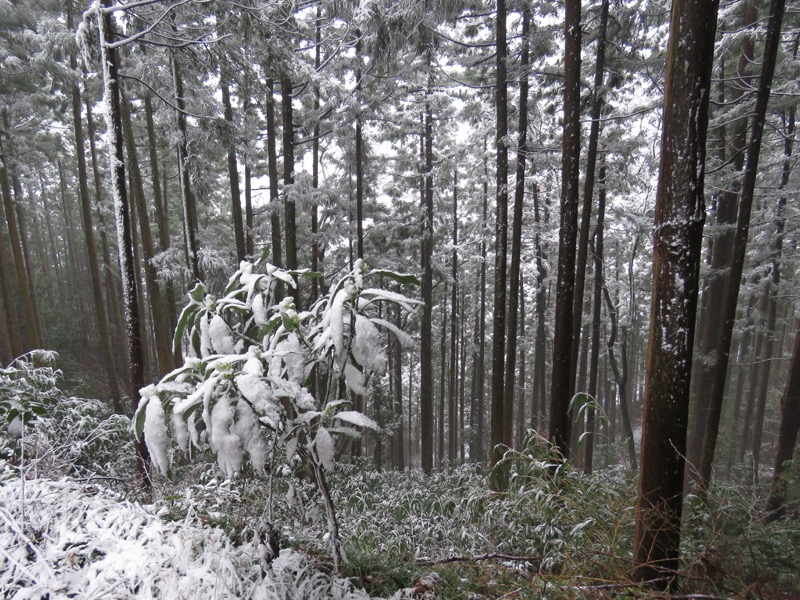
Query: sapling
243,390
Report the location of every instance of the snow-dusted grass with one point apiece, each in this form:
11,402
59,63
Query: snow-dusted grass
82,541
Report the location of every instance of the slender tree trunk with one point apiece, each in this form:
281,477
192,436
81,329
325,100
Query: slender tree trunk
520,402
588,189
480,357
88,232
272,160
288,181
725,216
539,344
560,391
740,245
31,336
426,254
233,168
189,206
452,444
110,62
514,288
678,238
315,264
397,365
161,333
596,305
498,436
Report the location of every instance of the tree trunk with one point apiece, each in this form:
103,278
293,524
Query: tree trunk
189,206
442,386
787,435
233,168
728,311
88,232
479,454
678,238
288,181
596,305
426,254
540,342
110,63
272,161
560,390
588,189
514,288
725,216
498,436
397,374
454,309
520,401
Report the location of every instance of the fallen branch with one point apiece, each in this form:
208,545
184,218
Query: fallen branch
487,556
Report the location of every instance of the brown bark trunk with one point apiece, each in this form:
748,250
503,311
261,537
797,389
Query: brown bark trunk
561,387
678,238
452,444
426,253
233,168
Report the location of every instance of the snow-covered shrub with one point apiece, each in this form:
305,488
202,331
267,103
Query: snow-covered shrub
62,434
267,383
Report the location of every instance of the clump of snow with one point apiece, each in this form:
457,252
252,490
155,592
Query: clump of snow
220,335
155,433
368,347
225,442
323,442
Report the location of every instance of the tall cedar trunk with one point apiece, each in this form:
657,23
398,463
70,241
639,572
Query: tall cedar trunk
233,168
162,216
72,271
678,238
725,217
520,391
497,436
561,387
540,342
442,385
315,266
7,274
596,306
272,167
588,186
359,156
787,435
288,180
462,378
110,63
161,333
112,286
30,271
452,442
30,338
426,254
772,43
479,454
88,231
189,206
397,373
752,373
359,159
514,289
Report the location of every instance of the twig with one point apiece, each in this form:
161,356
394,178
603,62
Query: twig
488,556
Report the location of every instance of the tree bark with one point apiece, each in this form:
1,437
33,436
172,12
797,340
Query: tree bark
452,445
272,162
233,168
110,63
678,238
561,387
498,420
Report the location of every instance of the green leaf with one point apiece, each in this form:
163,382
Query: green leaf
404,278
138,420
198,293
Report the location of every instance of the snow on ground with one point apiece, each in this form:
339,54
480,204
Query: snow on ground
66,539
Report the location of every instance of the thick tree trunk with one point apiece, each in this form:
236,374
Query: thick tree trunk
740,245
452,442
561,387
678,238
272,167
288,180
397,375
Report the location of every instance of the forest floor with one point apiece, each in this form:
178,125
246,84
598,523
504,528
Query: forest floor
406,535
